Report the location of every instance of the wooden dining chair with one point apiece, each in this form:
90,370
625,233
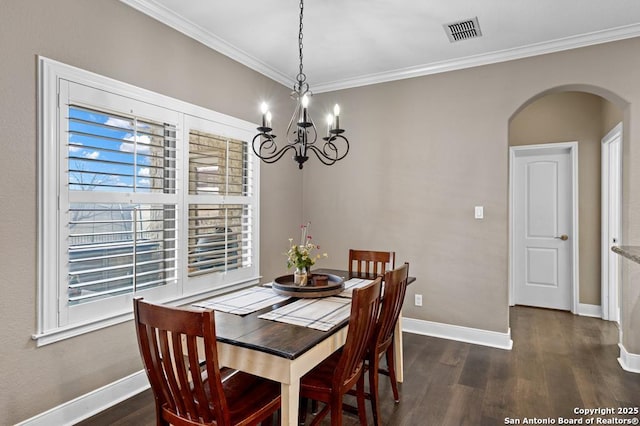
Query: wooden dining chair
395,289
371,262
344,369
187,384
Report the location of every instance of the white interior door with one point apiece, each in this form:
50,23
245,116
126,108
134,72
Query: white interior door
611,221
543,225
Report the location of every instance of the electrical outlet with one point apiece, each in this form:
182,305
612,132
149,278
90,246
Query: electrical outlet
479,212
418,301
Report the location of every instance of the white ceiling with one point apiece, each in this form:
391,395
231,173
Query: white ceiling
350,43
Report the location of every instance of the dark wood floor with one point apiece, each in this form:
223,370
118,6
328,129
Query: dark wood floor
559,362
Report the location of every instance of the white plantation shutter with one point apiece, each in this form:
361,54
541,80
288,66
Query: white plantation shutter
218,165
109,152
116,249
220,209
137,197
219,238
119,221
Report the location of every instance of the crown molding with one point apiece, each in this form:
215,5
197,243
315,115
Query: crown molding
160,13
188,28
537,49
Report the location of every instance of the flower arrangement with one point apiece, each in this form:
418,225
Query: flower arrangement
301,255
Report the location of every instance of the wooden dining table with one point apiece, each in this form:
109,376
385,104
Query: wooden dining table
284,352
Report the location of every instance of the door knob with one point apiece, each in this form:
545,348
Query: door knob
563,237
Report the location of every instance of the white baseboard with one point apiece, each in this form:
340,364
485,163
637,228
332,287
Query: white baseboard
628,361
586,310
89,404
455,332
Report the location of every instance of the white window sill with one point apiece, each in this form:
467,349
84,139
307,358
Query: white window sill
62,333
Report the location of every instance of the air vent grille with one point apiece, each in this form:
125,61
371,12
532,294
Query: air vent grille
463,30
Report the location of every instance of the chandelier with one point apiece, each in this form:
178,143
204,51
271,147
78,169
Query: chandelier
302,135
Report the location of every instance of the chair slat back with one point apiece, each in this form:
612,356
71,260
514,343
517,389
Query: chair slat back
168,342
371,262
362,323
395,289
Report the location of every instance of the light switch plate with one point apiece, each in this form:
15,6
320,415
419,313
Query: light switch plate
479,212
418,300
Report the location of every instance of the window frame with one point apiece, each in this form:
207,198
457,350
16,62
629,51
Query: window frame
52,78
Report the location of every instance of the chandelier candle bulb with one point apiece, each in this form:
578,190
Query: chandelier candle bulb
336,112
265,109
305,104
329,123
268,118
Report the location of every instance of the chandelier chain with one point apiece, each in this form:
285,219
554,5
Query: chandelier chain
301,77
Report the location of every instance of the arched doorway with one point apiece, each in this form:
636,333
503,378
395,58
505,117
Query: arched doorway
584,115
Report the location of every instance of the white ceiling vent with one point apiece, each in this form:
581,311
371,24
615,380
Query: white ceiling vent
463,30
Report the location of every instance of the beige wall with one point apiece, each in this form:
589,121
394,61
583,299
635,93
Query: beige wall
580,117
611,116
110,38
424,152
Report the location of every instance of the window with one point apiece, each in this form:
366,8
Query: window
124,243
140,195
219,233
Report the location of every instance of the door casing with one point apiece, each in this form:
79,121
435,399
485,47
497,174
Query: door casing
610,291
